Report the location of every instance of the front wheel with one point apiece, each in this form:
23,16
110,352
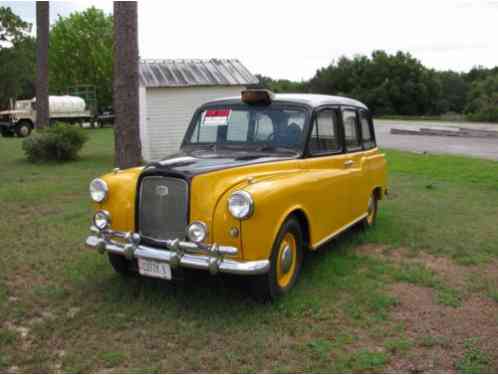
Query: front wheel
23,129
7,133
120,264
285,263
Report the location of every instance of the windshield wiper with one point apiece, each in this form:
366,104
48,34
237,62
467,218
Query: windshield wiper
211,147
270,147
266,147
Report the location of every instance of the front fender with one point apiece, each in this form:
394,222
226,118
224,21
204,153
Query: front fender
120,201
274,200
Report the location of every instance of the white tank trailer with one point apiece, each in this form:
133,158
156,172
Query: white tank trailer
22,118
65,105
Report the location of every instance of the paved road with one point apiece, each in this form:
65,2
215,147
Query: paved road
485,148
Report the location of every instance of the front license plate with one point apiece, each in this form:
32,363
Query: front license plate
147,267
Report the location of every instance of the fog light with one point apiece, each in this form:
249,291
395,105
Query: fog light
197,231
102,220
234,232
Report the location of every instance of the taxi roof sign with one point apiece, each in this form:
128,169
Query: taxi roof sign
257,96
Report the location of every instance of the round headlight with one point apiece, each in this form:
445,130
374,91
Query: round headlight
102,220
197,231
98,190
240,204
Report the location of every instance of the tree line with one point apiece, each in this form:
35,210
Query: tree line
80,53
398,84
77,50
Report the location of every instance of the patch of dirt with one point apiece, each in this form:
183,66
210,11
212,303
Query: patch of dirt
384,252
439,332
57,363
453,274
42,317
72,312
23,333
23,278
449,327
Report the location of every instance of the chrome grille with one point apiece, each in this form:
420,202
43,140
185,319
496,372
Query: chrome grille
163,208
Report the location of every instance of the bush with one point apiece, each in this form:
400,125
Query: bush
60,142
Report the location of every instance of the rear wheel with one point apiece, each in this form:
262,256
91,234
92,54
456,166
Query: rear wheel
372,209
285,263
23,129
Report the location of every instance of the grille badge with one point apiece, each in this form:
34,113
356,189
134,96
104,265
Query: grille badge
162,190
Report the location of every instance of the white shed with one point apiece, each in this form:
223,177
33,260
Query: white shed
171,90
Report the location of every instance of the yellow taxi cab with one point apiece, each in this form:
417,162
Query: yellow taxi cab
259,180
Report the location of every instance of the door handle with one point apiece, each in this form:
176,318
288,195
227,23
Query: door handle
348,163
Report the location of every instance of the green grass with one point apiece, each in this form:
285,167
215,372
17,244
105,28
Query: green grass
112,359
419,274
398,345
452,218
449,297
474,360
335,320
433,341
7,337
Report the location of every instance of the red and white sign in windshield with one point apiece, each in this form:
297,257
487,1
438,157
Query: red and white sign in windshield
216,117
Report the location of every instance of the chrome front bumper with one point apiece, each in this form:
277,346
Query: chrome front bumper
176,253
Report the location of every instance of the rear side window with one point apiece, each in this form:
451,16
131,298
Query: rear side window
351,135
367,137
324,137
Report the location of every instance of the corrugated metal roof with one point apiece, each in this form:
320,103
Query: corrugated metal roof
187,73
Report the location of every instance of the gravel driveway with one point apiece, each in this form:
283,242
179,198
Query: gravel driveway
485,148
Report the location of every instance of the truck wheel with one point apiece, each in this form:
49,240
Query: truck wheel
23,129
120,264
285,263
7,133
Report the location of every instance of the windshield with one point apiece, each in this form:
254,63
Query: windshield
23,104
263,127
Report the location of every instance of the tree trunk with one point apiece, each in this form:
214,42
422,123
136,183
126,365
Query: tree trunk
42,29
128,151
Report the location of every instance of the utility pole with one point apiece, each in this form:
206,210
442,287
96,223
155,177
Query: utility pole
128,151
42,30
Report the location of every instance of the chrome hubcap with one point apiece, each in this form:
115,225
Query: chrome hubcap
370,206
24,130
286,259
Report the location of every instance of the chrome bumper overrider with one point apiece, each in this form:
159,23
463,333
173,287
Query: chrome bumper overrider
176,253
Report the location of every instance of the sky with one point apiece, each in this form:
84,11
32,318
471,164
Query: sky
292,39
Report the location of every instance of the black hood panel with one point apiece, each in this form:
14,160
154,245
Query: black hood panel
188,164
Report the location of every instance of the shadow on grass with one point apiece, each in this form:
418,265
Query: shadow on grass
332,279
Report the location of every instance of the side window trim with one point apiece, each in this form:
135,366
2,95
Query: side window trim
358,130
338,128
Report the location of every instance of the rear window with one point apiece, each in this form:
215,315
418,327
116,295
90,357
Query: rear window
366,130
351,135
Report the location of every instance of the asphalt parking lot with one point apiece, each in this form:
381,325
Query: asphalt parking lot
486,148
